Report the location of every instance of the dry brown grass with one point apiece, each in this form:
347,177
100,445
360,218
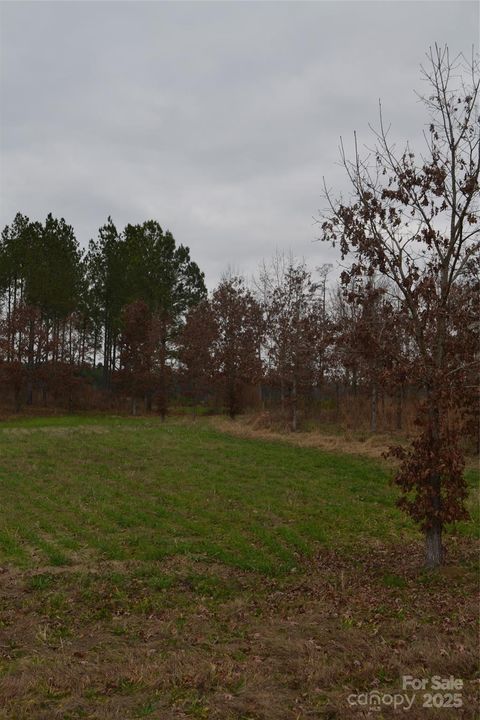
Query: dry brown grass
271,650
260,427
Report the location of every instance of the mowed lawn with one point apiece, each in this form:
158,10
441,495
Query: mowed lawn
112,528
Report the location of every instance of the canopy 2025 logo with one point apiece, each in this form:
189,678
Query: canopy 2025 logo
434,692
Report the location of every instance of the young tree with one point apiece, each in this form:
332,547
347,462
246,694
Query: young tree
373,338
295,317
138,344
195,347
236,346
415,220
345,362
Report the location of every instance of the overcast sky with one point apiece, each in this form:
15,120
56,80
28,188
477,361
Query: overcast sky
218,119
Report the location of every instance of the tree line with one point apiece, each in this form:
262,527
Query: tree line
130,320
131,317
64,312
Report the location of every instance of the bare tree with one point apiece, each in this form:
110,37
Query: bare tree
293,313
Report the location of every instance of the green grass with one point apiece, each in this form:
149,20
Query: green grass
80,487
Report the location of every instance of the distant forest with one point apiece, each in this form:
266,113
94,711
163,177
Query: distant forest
129,324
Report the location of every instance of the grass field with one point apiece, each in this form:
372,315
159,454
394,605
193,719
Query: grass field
175,571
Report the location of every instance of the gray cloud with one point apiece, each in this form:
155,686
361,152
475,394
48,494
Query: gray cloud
217,119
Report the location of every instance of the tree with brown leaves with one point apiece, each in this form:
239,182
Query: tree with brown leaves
415,220
294,312
236,347
138,343
195,348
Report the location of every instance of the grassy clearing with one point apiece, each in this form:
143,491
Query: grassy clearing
175,571
121,490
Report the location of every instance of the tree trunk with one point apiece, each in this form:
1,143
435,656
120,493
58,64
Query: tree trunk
433,534
162,395
399,413
373,407
106,354
148,401
95,340
70,343
433,546
20,358
294,405
161,404
31,362
231,401
114,357
62,351
82,346
9,325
